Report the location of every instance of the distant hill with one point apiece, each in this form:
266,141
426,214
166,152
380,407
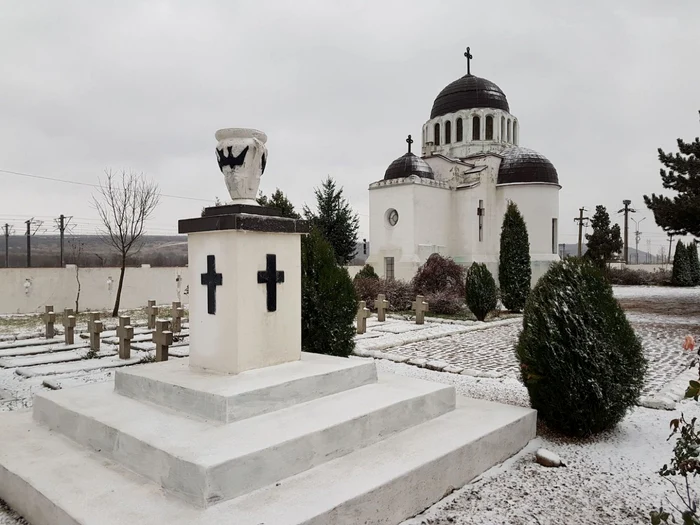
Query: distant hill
571,250
93,251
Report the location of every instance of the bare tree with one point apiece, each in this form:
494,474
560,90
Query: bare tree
124,202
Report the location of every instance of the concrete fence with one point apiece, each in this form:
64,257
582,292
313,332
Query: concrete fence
27,290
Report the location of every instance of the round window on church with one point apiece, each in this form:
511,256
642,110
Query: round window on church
392,216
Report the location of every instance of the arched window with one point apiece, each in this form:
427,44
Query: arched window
436,135
515,132
460,132
489,128
448,132
503,129
476,128
510,130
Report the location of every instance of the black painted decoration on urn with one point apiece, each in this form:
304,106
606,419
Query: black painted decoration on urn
211,280
271,277
231,161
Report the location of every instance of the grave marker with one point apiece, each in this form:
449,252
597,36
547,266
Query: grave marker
420,306
152,312
163,338
95,328
125,333
362,315
381,304
69,326
49,318
177,312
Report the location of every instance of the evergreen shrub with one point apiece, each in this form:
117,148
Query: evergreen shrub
692,252
514,268
682,272
482,296
328,302
439,275
367,272
580,359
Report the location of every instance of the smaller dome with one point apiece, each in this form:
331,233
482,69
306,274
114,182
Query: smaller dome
407,165
522,165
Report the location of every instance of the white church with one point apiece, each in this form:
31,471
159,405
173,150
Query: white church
451,200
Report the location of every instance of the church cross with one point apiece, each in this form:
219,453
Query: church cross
211,280
271,277
469,56
410,141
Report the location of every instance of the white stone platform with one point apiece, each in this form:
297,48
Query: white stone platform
319,441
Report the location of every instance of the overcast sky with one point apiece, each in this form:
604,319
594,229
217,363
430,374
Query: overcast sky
597,87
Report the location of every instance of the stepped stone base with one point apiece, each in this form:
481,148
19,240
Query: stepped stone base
344,446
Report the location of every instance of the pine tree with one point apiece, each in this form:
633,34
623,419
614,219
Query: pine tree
682,273
692,251
514,269
681,214
605,241
280,201
335,219
482,296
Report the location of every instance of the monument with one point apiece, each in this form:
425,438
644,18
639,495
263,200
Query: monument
249,429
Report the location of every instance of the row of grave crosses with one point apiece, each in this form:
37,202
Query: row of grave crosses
162,335
420,306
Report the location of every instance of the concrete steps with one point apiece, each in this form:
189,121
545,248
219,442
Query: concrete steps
52,480
206,462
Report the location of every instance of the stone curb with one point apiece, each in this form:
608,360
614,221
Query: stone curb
672,393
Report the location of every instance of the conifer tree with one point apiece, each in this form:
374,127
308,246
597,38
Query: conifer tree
681,214
605,241
681,274
280,201
692,251
514,269
335,220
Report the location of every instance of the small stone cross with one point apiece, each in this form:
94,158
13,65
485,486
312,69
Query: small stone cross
125,333
95,328
163,338
381,304
69,326
178,312
49,319
362,315
152,312
420,306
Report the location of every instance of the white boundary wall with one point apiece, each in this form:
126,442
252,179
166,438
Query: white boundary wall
27,290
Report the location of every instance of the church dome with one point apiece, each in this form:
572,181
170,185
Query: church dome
469,92
522,165
407,165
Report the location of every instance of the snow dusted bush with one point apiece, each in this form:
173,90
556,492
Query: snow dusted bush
514,269
367,272
328,302
580,359
439,275
446,302
625,276
398,293
482,296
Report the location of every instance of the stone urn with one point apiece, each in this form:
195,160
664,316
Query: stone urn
242,156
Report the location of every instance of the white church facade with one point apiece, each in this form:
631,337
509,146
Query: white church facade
452,199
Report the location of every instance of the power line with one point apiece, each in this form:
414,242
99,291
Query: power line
65,181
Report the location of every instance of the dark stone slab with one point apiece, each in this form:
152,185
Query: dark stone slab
243,221
241,208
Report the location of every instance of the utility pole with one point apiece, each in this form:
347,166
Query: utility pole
670,242
649,251
29,243
62,223
627,210
8,231
580,219
637,236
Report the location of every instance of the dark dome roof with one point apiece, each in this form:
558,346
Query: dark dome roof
524,165
469,92
407,165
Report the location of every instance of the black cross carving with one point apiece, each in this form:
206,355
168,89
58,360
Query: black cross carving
410,141
211,280
469,57
271,277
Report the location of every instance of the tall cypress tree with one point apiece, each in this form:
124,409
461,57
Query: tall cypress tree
514,269
680,215
692,251
681,274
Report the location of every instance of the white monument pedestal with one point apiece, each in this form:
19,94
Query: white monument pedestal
248,430
245,296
